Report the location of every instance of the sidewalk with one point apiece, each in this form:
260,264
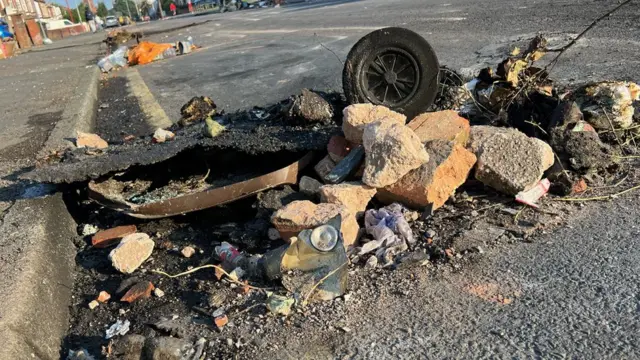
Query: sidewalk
47,94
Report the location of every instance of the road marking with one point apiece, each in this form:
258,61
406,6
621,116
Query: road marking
445,19
155,115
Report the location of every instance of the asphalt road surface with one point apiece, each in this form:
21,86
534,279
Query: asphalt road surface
578,287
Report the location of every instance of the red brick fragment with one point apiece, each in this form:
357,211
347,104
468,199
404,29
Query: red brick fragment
110,237
141,290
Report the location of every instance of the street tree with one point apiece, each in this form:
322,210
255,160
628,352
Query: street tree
102,10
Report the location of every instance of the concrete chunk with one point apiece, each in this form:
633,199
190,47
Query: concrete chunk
441,125
354,195
357,116
391,151
132,251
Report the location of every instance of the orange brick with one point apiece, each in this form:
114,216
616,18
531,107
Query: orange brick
221,321
110,237
441,125
103,297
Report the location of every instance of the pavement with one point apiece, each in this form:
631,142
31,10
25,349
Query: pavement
579,284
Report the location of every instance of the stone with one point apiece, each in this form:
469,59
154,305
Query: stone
479,134
213,128
391,151
141,290
84,140
93,304
166,348
110,237
435,181
132,251
441,125
372,262
357,116
300,215
158,293
511,162
221,321
338,148
162,135
353,195
324,167
310,107
188,251
273,234
132,346
89,229
309,186
103,296
548,157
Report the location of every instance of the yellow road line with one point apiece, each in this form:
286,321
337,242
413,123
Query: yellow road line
155,115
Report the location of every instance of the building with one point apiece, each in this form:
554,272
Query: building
27,9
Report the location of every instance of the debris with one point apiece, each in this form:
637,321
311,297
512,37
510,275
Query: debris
309,186
273,200
103,296
300,215
435,181
511,162
579,186
93,304
273,234
354,195
346,167
389,228
141,290
119,328
197,109
132,251
146,52
237,274
162,135
324,167
86,140
88,229
81,354
338,148
372,262
532,195
230,256
310,107
188,251
221,321
109,237
441,125
116,59
392,150
158,293
608,103
166,348
213,128
279,305
169,325
580,147
110,193
357,116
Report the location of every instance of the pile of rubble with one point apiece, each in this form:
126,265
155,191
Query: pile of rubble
377,179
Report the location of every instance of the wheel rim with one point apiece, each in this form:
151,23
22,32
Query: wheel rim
390,77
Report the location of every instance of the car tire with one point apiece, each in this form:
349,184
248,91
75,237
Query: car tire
394,67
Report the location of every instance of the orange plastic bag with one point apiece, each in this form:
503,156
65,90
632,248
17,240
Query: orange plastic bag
146,52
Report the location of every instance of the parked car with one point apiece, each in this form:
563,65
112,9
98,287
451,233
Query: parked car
4,30
111,21
56,24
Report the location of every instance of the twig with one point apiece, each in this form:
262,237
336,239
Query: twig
594,23
537,125
613,129
515,218
604,197
333,52
313,288
207,267
627,157
249,308
620,129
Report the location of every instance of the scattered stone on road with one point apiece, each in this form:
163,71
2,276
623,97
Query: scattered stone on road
441,125
162,135
188,251
435,181
391,151
354,195
357,116
132,251
91,141
300,215
103,296
309,107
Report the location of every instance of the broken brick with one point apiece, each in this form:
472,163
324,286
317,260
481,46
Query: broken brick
579,186
354,195
103,297
441,125
109,237
90,140
357,116
338,148
132,251
300,215
391,151
434,182
221,321
141,290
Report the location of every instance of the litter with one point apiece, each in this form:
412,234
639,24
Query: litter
390,230
532,195
119,328
279,305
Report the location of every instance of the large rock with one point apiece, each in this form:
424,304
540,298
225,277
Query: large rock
354,195
310,107
132,251
432,183
510,161
391,151
441,125
300,215
479,135
357,116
